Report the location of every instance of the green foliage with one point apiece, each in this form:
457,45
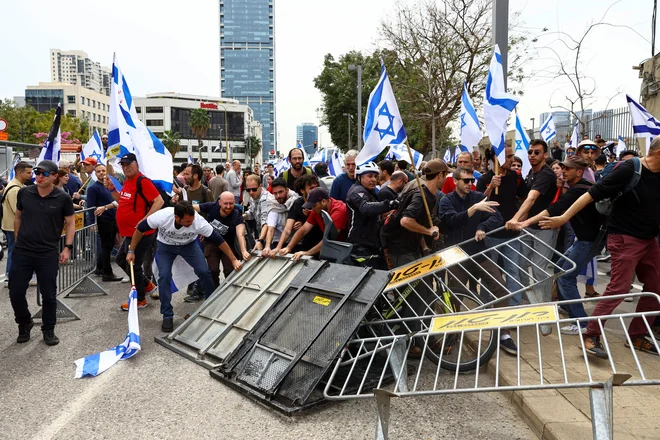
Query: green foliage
172,141
25,124
253,146
200,122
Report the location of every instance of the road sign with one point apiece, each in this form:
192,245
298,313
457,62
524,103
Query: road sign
3,125
4,136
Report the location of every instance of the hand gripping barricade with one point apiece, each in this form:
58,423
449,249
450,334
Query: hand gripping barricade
74,278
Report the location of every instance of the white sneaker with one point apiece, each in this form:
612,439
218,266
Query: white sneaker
572,329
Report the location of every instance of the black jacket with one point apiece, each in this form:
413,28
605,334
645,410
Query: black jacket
364,214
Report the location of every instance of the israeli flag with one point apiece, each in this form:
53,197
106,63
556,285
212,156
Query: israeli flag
450,155
127,134
383,125
548,129
51,148
93,148
304,152
620,146
400,152
96,364
644,124
470,128
190,159
281,167
318,157
12,172
182,273
522,146
336,164
575,138
498,105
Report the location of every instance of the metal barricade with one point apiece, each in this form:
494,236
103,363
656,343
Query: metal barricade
73,278
383,361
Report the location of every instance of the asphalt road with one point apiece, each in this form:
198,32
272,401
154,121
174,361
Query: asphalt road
159,394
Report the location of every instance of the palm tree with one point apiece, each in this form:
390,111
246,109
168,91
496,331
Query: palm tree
171,140
253,146
200,122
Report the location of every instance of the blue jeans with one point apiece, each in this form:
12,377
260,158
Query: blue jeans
10,248
194,256
512,253
567,283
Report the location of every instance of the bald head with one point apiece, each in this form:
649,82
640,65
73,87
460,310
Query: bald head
226,203
398,181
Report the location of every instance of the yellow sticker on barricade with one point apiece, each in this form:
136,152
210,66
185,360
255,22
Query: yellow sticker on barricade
79,218
419,268
494,318
322,301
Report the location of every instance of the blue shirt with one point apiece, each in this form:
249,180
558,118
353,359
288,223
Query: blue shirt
72,185
99,195
340,187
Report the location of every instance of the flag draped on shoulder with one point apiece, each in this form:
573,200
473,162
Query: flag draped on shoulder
470,128
383,124
336,164
644,124
522,146
51,148
548,129
96,364
498,105
127,134
400,152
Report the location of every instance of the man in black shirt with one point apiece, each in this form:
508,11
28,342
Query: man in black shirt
586,226
397,181
41,212
542,184
632,229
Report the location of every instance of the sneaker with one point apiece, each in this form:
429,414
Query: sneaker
140,304
194,297
563,312
154,295
572,329
593,346
629,299
168,325
50,338
508,346
151,287
111,278
6,284
33,282
24,332
98,272
604,258
125,280
643,344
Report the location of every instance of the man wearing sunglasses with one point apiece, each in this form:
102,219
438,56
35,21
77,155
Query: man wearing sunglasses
465,160
588,151
41,212
258,208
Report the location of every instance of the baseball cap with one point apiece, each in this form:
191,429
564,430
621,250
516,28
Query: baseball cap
315,196
48,166
128,158
435,166
63,164
575,162
90,161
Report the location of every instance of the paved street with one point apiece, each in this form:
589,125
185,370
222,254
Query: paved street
159,394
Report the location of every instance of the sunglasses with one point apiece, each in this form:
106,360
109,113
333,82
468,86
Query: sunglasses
251,189
467,180
570,153
590,148
39,173
534,152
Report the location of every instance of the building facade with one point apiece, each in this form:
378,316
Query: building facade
247,61
231,123
308,135
76,100
75,67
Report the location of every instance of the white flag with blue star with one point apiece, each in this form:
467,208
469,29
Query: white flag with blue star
498,105
470,128
644,124
575,138
383,125
93,149
400,152
548,129
522,146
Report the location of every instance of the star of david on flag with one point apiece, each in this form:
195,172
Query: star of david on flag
548,129
470,128
522,146
94,149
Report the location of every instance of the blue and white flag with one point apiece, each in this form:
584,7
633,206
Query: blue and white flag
304,152
335,167
383,125
644,124
522,146
470,128
12,171
400,152
96,364
182,273
190,159
318,157
498,105
620,147
450,154
575,137
51,148
281,166
548,129
127,134
93,148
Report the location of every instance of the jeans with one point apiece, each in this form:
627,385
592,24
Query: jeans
22,268
539,252
194,256
567,283
107,229
10,248
140,251
510,254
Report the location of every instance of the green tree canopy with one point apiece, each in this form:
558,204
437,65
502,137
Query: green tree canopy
172,141
200,122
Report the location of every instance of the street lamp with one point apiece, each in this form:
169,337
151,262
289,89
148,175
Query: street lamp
532,119
226,134
350,117
359,103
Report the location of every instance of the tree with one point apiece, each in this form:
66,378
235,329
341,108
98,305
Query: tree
200,122
172,141
253,146
25,123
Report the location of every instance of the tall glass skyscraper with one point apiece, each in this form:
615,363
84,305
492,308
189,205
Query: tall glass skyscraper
247,61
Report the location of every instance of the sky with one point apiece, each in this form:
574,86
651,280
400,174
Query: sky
169,45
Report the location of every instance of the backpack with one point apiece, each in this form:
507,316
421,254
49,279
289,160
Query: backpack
3,196
605,206
163,194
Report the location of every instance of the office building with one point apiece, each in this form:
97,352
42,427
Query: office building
247,61
307,134
75,67
231,123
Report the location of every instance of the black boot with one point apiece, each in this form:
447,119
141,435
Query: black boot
24,332
111,277
98,272
50,338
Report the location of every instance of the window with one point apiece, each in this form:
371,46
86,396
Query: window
104,119
94,117
138,109
154,110
71,99
154,122
72,113
93,103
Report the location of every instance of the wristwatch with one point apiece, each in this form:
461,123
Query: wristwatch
69,246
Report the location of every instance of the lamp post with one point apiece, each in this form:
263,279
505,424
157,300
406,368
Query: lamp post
532,119
359,103
228,154
350,117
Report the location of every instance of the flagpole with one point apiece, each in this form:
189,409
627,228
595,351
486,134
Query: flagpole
421,190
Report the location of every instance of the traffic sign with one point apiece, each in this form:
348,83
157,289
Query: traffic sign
4,136
3,125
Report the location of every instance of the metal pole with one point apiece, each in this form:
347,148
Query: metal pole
227,137
501,32
533,119
359,109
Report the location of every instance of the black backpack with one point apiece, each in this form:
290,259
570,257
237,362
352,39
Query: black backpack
166,198
3,196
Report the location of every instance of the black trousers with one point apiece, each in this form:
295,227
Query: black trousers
22,268
142,248
107,229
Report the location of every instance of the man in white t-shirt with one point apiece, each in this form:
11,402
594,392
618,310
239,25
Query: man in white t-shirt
178,228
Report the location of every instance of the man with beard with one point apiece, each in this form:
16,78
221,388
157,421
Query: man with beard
278,206
195,191
292,174
235,180
397,181
297,216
